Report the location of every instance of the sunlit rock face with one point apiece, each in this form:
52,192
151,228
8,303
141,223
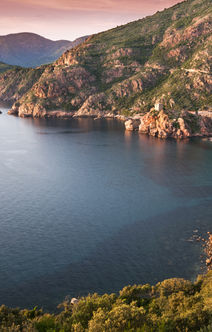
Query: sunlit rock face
164,124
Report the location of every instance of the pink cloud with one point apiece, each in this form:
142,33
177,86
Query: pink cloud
69,19
93,5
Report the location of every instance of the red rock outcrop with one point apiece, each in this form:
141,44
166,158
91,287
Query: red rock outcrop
163,125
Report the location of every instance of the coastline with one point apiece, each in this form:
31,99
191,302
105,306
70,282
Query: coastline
161,124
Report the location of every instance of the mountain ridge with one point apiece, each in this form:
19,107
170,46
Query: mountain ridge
28,49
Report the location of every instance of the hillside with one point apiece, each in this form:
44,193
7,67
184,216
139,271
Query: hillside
31,50
170,306
16,81
4,67
166,57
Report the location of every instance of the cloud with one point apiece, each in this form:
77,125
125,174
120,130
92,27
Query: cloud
69,19
92,5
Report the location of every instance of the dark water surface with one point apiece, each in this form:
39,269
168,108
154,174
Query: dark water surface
86,207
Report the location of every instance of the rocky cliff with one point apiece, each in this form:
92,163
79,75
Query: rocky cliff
166,57
166,124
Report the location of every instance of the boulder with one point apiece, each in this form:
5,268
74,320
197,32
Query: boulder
74,301
132,124
13,110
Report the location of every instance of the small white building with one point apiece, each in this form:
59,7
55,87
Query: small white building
158,107
74,301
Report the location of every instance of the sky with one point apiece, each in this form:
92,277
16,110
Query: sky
69,19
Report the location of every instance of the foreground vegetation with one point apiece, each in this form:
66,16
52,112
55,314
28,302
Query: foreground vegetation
171,305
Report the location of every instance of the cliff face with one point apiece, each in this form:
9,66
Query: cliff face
166,124
166,57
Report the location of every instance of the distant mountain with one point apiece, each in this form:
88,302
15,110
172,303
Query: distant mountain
4,67
31,50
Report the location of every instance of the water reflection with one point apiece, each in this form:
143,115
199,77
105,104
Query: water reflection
82,124
185,159
128,135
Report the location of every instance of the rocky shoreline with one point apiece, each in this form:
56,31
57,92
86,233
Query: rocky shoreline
38,112
168,124
157,123
208,251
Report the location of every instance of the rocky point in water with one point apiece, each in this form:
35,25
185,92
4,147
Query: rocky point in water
165,124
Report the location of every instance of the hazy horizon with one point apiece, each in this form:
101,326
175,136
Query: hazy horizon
70,19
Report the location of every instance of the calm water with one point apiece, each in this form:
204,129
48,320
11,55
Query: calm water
86,207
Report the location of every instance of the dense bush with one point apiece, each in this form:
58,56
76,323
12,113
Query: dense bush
172,305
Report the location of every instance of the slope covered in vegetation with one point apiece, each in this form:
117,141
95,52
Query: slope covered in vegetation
166,57
172,305
16,81
4,67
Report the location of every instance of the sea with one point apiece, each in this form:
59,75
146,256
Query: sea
86,206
